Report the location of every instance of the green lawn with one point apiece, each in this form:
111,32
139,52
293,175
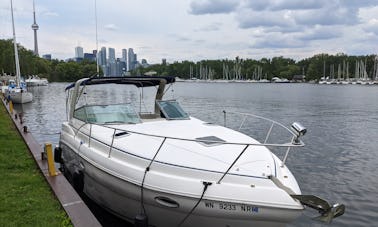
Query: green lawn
25,197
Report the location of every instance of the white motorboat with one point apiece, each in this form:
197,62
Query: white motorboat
36,81
166,168
280,80
17,93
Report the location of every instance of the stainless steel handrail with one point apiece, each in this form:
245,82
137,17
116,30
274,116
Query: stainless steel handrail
295,142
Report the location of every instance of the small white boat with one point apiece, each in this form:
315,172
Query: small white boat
280,80
167,168
35,80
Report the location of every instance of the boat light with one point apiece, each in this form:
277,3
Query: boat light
298,129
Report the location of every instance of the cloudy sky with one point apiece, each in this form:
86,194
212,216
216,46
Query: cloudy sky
198,29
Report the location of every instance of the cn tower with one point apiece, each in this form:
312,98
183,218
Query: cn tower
35,28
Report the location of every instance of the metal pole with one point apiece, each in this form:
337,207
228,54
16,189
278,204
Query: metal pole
224,118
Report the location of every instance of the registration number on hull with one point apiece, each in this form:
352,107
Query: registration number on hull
232,207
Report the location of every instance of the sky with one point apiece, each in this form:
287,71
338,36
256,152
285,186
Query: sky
195,30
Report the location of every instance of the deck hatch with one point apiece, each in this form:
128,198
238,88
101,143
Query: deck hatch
210,140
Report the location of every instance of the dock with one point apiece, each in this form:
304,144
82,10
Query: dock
78,212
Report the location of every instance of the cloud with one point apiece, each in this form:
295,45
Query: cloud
276,5
111,27
368,16
371,26
251,19
278,41
212,7
330,16
210,28
320,33
49,14
183,39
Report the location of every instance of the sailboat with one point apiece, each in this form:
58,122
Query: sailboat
17,93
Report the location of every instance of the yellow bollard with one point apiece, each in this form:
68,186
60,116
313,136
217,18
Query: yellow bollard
11,107
50,159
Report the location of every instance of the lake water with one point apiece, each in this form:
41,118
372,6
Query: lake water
338,163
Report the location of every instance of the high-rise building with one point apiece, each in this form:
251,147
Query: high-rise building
124,61
111,64
102,60
111,57
79,53
89,57
121,67
144,63
46,56
124,55
35,27
131,59
102,56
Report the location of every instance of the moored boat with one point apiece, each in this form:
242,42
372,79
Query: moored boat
35,80
173,169
18,92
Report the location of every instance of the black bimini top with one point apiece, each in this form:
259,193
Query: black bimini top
139,81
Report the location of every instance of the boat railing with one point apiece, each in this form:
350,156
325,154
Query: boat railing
294,142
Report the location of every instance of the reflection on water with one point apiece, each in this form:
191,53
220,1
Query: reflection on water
340,157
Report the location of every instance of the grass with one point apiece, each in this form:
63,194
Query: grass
25,197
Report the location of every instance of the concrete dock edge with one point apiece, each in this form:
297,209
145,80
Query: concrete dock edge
76,209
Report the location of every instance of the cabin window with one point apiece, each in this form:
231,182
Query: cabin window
107,114
172,110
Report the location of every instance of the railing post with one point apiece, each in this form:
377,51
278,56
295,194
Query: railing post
111,145
241,125
90,135
233,163
284,160
224,118
267,135
287,153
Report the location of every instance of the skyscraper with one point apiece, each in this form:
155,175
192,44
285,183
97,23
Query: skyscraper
102,60
79,53
131,59
112,62
102,56
124,61
124,55
111,57
35,28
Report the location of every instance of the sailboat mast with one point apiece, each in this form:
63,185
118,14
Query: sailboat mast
18,73
97,63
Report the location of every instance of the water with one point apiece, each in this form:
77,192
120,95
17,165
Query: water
339,161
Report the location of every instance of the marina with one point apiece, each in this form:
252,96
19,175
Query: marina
336,172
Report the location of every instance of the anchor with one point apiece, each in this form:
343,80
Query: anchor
327,212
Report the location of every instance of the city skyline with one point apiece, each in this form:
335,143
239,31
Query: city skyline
111,64
199,29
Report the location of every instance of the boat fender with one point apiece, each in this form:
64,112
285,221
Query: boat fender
141,220
58,155
78,181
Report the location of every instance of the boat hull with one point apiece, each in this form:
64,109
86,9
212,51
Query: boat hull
20,97
123,198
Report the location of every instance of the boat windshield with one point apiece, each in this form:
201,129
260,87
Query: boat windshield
108,114
172,110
